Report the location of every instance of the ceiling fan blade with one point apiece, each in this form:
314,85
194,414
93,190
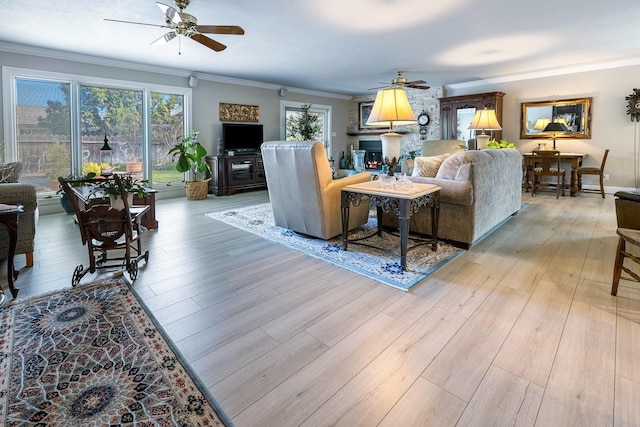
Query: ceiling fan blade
416,82
220,29
137,23
164,39
211,44
414,86
172,14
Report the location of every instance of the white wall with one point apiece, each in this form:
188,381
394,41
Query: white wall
611,126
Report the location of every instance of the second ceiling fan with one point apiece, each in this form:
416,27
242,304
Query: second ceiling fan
400,81
181,23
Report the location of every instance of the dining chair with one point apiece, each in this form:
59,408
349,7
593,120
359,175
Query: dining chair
547,163
585,170
628,223
625,235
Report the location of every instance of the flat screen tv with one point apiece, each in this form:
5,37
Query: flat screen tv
241,137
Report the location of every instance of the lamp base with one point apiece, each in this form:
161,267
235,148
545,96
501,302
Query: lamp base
391,165
482,141
391,142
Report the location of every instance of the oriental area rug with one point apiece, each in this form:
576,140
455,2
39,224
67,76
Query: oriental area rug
378,260
92,355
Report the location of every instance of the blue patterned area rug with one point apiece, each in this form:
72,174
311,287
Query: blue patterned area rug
92,355
382,265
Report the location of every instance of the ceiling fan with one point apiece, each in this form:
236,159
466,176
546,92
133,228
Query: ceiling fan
401,82
183,24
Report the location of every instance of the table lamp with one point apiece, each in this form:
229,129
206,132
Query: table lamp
484,120
557,128
391,106
541,124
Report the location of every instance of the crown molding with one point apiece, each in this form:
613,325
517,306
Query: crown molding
95,60
547,73
271,86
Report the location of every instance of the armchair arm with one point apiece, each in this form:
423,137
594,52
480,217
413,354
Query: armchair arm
19,194
336,185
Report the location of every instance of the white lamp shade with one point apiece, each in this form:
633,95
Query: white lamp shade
391,107
485,120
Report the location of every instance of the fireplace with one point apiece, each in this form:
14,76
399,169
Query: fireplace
373,156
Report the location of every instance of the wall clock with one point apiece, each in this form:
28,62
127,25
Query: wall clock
423,121
633,105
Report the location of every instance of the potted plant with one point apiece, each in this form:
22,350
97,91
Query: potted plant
191,159
502,144
109,188
305,126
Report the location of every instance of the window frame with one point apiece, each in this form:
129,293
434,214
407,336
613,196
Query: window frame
9,95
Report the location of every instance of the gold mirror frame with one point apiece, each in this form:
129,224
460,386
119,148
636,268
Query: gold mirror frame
576,112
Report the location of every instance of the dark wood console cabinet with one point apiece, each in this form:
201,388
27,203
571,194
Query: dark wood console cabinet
449,107
230,174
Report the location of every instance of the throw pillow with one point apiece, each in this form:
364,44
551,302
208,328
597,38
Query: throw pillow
427,166
10,172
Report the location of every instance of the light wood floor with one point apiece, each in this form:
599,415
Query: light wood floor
520,330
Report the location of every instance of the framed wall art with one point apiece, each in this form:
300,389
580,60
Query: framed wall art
364,111
239,113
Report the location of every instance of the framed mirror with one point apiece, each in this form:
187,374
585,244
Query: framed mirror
574,113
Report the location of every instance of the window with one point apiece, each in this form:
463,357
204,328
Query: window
43,124
115,114
290,114
56,124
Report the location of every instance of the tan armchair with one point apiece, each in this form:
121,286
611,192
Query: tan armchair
304,196
25,195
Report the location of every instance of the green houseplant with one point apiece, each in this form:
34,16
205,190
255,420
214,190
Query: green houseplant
305,126
109,188
191,159
502,144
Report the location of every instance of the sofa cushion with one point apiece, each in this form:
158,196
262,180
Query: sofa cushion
427,166
10,172
455,167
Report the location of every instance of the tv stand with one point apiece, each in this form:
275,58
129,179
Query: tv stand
230,174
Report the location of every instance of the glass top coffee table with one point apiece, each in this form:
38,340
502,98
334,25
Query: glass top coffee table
403,200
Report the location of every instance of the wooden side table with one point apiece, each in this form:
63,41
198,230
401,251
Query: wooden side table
9,220
403,202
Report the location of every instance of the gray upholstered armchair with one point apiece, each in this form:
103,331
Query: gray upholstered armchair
25,195
304,196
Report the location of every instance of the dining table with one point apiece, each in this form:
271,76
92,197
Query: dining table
573,159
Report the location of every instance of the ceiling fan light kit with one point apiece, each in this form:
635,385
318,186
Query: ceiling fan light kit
183,24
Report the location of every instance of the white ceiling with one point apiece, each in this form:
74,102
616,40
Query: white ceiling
346,46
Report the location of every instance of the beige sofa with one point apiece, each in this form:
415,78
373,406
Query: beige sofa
480,189
303,195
